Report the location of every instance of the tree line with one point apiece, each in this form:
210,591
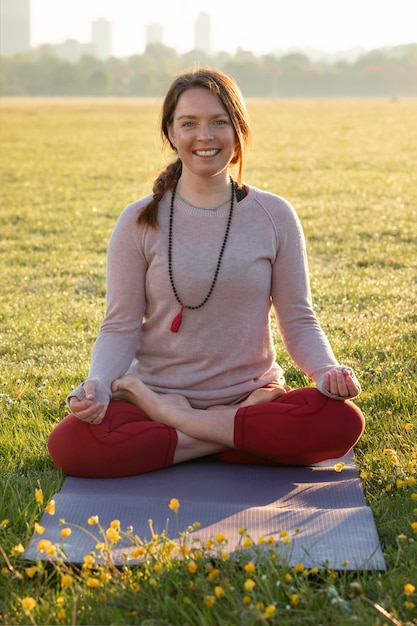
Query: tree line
385,72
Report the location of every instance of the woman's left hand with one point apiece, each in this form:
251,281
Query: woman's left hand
341,382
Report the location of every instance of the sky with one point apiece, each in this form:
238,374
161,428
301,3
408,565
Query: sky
261,26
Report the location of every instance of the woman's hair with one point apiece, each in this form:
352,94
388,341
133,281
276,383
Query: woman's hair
230,96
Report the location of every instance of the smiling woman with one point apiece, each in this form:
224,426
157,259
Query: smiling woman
184,365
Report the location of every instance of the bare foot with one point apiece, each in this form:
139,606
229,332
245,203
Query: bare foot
259,396
131,389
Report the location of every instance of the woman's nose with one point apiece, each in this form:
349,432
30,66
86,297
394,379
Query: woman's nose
205,132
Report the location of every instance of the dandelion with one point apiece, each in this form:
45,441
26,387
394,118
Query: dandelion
414,496
65,532
209,601
249,584
294,599
224,555
4,523
220,537
339,466
218,591
66,580
39,496
192,567
157,568
283,533
246,600
93,520
288,578
105,576
414,526
38,529
262,540
250,567
208,543
28,603
400,484
50,509
409,426
411,481
174,504
247,542
409,589
196,525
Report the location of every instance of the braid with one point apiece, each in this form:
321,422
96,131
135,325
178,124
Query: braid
165,180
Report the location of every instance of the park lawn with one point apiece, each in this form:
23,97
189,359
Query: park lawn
68,168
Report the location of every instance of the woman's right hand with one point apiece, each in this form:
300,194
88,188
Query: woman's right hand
87,410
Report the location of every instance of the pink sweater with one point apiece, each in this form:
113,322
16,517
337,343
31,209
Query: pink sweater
224,350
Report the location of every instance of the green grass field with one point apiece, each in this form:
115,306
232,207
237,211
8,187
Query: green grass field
68,168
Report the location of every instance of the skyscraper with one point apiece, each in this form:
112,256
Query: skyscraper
14,27
101,37
202,33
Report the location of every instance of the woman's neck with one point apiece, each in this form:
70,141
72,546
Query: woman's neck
211,194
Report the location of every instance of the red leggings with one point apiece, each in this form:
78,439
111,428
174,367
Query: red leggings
299,428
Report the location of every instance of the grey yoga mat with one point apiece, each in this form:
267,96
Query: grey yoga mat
323,511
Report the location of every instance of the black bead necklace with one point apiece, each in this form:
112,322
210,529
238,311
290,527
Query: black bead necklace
176,322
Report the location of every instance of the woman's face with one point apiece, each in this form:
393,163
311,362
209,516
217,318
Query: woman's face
202,133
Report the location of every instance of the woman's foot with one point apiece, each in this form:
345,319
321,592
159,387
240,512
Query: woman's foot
131,389
259,396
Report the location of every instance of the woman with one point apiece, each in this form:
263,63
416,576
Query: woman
184,363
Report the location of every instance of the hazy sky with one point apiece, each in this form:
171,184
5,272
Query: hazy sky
260,25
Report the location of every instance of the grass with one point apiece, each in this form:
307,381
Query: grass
68,168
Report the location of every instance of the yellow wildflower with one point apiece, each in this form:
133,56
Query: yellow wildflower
299,567
400,484
61,614
93,520
39,496
65,532
246,600
411,481
409,589
38,528
174,504
414,496
115,524
414,526
250,567
294,599
112,535
28,603
269,611
247,542
93,583
88,561
262,540
66,580
31,571
224,555
105,576
249,584
157,568
50,508
288,578
192,567
209,601
283,533
220,537
409,426
44,545
16,550
218,591
339,466
208,543
4,523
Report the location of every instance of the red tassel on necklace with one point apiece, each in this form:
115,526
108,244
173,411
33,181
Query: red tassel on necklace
176,322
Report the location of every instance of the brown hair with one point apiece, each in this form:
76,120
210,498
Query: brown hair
229,94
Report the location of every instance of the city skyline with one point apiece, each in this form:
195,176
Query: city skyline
323,24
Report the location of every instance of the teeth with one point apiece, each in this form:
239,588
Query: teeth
206,152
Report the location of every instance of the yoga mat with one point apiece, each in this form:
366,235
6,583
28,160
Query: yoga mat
323,511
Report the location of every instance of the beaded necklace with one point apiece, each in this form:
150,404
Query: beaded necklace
176,322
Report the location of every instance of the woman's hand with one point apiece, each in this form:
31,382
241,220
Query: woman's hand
87,410
341,381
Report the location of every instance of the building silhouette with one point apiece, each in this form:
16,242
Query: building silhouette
101,37
202,33
154,33
14,27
